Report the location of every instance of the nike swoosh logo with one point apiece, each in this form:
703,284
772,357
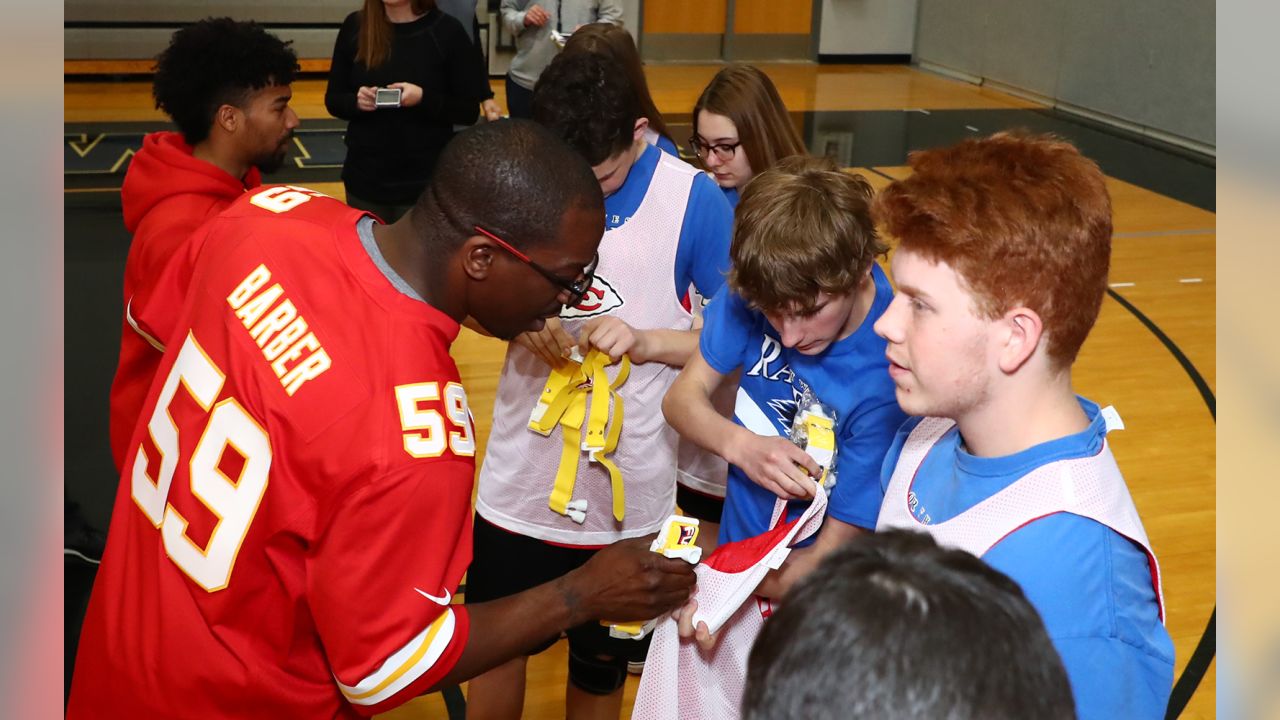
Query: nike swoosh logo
438,600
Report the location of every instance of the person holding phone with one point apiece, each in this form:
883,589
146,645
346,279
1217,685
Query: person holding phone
404,73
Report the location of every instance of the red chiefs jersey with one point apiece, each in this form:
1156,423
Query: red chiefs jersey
294,510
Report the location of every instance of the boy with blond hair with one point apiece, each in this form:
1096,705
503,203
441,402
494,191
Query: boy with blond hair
1004,247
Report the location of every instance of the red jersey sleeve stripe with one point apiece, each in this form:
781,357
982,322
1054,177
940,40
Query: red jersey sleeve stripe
405,665
128,314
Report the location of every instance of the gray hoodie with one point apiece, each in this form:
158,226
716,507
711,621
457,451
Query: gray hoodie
534,46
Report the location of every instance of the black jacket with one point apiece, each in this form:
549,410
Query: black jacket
392,151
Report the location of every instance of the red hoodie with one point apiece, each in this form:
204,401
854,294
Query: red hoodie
167,194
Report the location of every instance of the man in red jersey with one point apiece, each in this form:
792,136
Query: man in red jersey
295,511
226,85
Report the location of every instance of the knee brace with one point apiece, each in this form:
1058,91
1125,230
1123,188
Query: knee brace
596,674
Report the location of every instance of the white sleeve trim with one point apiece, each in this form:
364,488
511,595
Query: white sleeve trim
128,315
404,666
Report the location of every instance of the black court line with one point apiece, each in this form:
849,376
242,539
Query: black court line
1205,392
1198,665
883,175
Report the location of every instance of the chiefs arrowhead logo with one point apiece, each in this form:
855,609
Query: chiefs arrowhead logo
600,299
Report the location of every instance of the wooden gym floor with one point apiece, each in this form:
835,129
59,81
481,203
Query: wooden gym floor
1151,355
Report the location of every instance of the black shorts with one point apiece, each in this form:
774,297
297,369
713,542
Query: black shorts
699,505
505,563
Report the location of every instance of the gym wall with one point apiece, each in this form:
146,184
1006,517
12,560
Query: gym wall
1148,65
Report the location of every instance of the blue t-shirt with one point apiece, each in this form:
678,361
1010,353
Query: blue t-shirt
702,256
851,376
1091,586
731,194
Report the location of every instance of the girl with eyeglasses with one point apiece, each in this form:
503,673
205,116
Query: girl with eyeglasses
741,128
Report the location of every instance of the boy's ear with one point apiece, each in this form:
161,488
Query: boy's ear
642,124
1023,330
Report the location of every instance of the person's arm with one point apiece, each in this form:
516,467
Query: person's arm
489,108
517,20
624,581
702,255
801,561
688,408
616,338
551,344
379,575
774,463
702,258
340,92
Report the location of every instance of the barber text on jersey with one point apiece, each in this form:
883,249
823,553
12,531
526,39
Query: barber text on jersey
274,323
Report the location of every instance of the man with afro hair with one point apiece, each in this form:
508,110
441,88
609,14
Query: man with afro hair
226,86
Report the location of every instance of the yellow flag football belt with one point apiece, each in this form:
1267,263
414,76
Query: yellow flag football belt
564,402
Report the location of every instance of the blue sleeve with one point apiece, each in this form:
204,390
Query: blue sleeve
1100,610
895,451
864,443
666,145
726,331
1113,679
702,257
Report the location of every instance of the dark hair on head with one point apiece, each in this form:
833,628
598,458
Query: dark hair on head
587,100
802,227
746,95
373,42
893,626
216,62
614,41
512,177
1024,219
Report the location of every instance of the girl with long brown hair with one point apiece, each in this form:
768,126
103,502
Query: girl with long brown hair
392,146
741,128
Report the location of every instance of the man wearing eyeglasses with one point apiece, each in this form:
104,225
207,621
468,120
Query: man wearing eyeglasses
544,505
295,514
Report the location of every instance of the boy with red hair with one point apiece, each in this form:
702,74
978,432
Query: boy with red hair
1004,247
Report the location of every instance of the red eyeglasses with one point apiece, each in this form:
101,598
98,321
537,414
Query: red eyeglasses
576,288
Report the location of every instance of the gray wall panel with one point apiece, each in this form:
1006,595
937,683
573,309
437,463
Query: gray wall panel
1130,67
146,43
296,11
1022,45
1146,62
1151,63
949,33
